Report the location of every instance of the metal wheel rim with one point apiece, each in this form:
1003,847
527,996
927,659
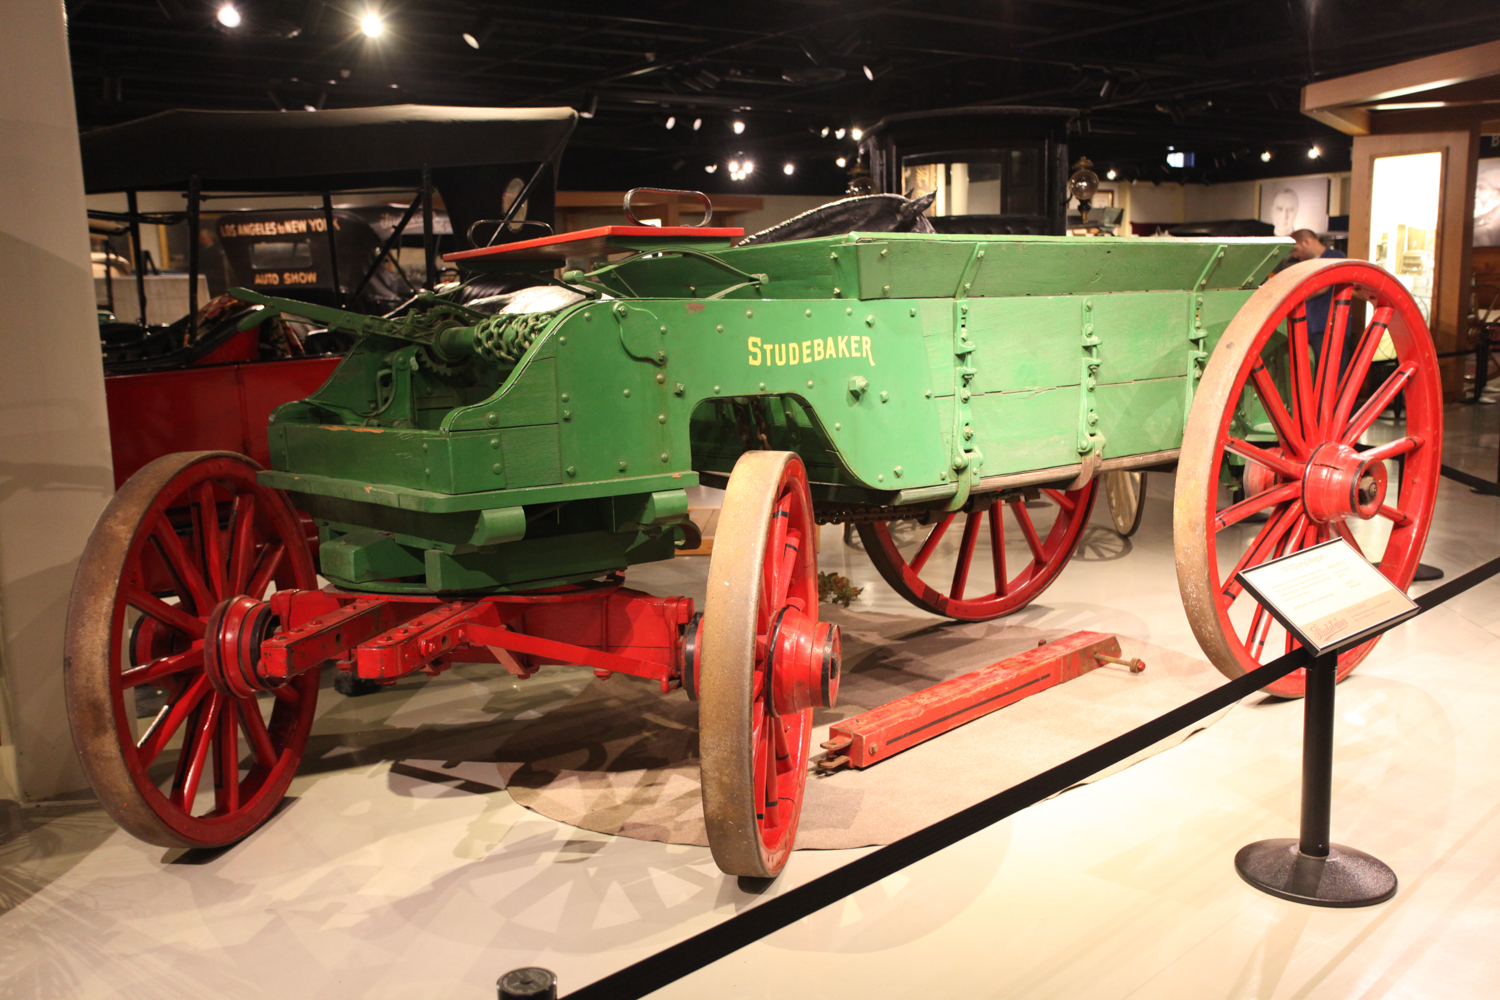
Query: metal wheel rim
1049,556
99,712
734,697
1199,572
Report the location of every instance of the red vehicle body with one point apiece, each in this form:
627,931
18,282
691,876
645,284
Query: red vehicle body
212,407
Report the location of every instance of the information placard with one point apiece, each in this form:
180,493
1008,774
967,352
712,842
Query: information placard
1328,596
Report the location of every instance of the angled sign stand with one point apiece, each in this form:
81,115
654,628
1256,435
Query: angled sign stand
1330,598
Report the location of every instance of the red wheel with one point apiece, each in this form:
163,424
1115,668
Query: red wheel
1023,561
183,556
762,662
1317,477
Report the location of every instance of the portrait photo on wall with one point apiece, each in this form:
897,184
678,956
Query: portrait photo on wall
1295,203
1487,204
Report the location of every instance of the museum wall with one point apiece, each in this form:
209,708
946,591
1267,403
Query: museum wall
55,473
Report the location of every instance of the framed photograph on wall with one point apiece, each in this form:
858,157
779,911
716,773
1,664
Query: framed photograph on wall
1487,203
1295,203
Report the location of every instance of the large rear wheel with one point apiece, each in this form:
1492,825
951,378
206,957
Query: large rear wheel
1319,465
1025,541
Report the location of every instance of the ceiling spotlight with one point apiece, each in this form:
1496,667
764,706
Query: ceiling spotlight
671,121
697,124
838,133
308,107
734,166
748,168
229,16
372,25
869,73
856,134
1265,157
842,161
711,168
1314,153
824,133
470,40
738,127
789,169
1111,175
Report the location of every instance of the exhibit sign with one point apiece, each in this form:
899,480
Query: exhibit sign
1328,596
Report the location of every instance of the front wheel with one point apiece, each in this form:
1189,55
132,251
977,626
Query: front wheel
766,661
1286,418
183,557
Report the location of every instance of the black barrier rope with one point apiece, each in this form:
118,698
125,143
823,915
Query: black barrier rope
1470,480
703,949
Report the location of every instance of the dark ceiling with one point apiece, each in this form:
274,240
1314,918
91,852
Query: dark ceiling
1219,78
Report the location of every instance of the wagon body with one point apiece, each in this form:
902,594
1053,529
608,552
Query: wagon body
903,369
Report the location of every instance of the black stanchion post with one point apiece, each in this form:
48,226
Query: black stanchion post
1311,869
531,983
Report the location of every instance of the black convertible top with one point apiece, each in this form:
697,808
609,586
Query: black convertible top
315,150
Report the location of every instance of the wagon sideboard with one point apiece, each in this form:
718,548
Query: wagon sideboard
902,368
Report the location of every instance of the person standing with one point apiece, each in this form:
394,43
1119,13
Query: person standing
1307,246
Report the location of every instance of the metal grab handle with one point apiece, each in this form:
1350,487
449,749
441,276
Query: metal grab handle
708,206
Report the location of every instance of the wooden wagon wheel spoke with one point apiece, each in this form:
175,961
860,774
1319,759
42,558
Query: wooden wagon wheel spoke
198,739
177,711
185,575
965,555
1333,340
161,549
930,544
254,728
1314,480
227,762
206,517
928,581
1281,420
997,547
159,670
242,542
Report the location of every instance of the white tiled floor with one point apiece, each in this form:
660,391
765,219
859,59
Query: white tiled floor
378,881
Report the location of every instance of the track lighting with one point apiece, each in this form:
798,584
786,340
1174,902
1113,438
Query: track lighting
671,121
1314,153
738,126
842,161
697,124
789,169
1265,157
229,16
856,134
372,25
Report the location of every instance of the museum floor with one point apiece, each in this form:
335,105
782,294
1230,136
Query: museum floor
389,876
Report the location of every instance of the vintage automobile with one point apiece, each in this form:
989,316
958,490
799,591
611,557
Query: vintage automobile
209,380
481,484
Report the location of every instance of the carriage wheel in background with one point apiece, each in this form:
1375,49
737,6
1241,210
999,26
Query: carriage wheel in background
761,661
184,556
1317,479
1125,492
1049,526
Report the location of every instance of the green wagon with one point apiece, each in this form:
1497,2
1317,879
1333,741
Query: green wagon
474,487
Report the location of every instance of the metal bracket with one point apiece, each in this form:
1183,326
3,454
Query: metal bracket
1197,353
966,460
1091,441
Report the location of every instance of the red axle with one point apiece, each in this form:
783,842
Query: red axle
387,636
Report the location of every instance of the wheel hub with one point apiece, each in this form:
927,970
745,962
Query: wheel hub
805,657
1340,484
231,646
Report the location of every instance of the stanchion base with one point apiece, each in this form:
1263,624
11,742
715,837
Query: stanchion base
1345,878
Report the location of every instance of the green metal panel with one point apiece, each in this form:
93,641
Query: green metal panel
464,452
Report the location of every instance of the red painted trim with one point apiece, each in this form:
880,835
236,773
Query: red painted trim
561,244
